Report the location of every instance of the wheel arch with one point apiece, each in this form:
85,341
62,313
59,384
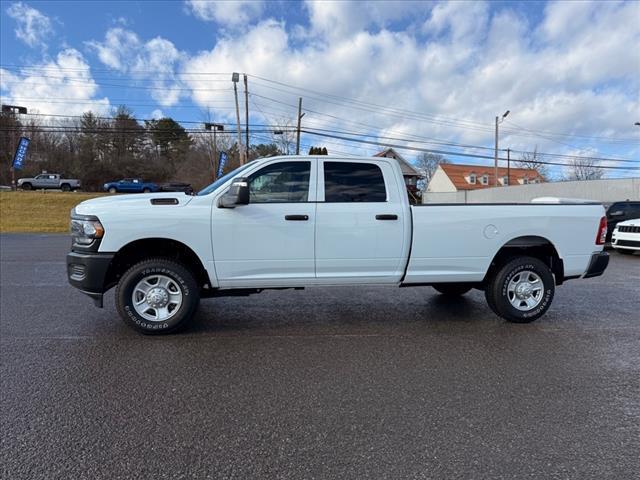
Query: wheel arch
529,245
140,249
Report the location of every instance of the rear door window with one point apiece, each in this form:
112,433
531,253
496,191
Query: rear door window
353,182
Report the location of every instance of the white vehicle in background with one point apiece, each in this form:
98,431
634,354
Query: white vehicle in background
305,221
626,236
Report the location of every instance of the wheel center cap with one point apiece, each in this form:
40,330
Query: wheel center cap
524,290
158,297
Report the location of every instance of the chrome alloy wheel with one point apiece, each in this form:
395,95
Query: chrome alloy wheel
157,298
525,290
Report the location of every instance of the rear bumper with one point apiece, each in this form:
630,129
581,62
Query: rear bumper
88,273
597,265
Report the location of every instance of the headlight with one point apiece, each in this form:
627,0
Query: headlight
84,230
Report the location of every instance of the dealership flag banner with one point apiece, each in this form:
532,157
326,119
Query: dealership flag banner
21,153
221,164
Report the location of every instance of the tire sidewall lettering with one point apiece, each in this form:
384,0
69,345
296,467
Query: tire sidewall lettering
134,318
544,304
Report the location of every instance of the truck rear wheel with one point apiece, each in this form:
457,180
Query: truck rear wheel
521,291
452,289
65,187
157,296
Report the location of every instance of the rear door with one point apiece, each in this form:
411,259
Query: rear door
270,241
361,225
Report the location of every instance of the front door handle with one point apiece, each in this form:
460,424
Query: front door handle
386,217
297,218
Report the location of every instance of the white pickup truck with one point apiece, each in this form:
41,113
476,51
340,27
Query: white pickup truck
295,222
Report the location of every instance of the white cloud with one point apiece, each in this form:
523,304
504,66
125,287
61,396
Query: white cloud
230,13
33,26
61,86
155,60
333,19
475,63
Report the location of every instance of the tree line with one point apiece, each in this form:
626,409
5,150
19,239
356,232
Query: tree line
98,149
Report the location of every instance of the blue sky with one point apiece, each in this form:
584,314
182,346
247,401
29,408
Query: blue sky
419,72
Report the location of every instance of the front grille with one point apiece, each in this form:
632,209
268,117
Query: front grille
627,243
628,229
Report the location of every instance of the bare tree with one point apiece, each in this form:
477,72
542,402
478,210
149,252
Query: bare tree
531,160
285,136
427,163
584,169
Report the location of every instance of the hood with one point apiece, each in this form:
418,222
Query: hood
634,222
135,201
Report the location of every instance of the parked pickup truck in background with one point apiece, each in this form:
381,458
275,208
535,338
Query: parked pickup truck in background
49,181
131,185
295,222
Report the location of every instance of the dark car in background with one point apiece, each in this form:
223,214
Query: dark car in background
619,212
131,185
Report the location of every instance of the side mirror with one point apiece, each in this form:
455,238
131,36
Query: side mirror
238,194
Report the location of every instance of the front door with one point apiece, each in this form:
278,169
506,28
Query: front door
270,241
360,223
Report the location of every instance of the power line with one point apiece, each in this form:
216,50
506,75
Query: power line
435,118
445,152
357,134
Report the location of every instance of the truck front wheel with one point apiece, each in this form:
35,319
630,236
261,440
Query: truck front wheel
452,289
521,290
157,296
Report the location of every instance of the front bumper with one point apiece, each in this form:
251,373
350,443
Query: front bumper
597,265
88,273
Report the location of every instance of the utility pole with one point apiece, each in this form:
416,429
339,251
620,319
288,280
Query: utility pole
300,115
508,166
495,154
246,116
235,77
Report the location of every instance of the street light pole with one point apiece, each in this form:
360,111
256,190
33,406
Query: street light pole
215,127
13,110
495,154
235,78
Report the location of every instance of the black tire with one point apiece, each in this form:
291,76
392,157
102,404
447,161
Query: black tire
452,289
146,190
498,297
26,186
177,272
113,190
625,251
65,187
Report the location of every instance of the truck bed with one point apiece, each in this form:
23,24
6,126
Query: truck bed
457,242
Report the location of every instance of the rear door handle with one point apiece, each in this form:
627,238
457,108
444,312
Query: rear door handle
386,217
297,218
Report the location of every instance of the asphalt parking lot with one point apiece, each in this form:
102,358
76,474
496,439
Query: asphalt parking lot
323,383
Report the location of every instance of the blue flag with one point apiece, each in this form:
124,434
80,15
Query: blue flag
21,153
221,164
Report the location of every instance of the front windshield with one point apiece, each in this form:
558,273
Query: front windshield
222,179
